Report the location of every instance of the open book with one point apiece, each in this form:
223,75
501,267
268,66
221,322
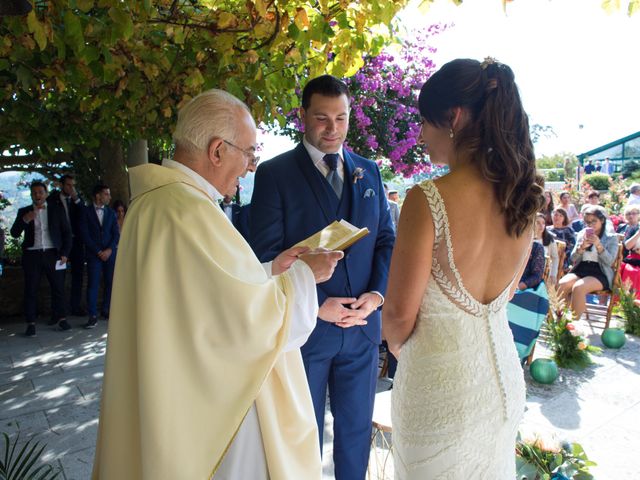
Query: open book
335,236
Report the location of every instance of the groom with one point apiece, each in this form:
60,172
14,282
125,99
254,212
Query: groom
295,195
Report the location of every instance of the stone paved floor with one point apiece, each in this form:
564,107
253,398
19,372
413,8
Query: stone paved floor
50,386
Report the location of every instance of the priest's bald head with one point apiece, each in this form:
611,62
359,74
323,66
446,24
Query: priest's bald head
216,137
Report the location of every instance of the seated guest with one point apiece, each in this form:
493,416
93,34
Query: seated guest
630,267
592,259
563,232
578,225
565,202
542,236
630,229
548,207
634,194
534,271
630,215
593,197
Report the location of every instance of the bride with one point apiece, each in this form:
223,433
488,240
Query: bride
462,244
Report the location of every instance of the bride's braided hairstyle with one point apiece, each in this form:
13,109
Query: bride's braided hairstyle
497,135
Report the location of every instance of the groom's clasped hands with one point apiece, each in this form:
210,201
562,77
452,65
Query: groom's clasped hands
347,312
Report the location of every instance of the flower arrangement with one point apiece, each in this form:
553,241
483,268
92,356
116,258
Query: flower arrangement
616,198
538,458
570,348
629,308
384,120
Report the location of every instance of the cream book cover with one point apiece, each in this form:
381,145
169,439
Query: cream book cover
335,236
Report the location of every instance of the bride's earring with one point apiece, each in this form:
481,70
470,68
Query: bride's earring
451,133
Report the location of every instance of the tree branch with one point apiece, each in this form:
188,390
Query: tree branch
271,38
32,162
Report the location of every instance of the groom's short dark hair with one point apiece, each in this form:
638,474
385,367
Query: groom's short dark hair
326,85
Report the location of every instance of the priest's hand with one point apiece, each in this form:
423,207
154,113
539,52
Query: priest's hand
283,262
322,263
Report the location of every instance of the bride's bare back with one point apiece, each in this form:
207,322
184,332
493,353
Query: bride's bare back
486,256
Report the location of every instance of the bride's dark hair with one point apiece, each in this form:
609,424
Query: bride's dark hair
496,136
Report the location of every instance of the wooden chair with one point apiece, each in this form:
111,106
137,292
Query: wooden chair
545,279
562,254
381,444
610,294
547,267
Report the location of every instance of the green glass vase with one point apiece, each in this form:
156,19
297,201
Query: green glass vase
613,337
544,370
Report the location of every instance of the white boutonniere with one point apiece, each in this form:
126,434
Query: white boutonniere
358,174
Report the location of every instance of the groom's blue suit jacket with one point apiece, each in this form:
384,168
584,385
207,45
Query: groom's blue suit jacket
292,201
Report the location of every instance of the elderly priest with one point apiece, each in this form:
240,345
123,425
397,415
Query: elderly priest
203,375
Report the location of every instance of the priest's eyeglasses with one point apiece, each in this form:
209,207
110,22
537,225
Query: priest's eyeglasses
249,153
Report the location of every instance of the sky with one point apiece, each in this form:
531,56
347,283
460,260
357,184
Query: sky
576,65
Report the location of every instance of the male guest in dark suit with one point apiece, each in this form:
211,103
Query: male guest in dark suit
100,234
295,195
231,209
47,241
244,220
69,200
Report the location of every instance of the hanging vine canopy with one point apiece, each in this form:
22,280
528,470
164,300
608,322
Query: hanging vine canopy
76,71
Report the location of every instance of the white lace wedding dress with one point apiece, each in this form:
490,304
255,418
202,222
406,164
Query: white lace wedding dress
459,393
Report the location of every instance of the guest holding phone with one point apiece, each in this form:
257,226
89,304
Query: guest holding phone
592,259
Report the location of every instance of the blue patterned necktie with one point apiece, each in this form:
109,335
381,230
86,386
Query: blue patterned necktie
331,159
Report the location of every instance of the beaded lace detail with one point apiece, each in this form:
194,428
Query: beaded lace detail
459,392
453,287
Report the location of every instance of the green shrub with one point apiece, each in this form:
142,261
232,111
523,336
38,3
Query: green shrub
12,250
554,174
630,169
597,181
20,463
629,310
571,348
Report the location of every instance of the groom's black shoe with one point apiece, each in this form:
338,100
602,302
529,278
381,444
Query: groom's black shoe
93,321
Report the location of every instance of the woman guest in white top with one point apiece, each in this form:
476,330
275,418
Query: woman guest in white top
570,208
